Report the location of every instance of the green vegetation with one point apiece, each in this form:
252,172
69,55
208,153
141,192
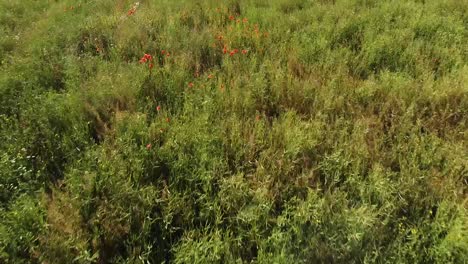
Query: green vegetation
258,131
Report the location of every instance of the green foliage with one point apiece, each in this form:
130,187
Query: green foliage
20,228
326,131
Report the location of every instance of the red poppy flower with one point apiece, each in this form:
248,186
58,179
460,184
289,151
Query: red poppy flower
235,51
244,51
225,50
148,56
143,60
190,84
158,108
163,52
151,65
148,146
231,17
231,53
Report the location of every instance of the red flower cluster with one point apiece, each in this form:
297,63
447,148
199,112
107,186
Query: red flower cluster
132,10
234,51
147,58
233,18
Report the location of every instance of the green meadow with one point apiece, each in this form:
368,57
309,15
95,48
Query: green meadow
240,131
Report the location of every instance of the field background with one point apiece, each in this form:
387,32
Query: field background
266,131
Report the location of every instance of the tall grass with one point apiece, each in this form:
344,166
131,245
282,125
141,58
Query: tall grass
327,131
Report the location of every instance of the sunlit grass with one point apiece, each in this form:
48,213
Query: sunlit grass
327,131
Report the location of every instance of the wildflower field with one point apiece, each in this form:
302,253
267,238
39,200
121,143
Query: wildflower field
238,131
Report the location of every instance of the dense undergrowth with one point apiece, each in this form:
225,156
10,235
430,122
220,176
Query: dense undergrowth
264,131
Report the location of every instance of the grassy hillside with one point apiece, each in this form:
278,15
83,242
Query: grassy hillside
246,131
